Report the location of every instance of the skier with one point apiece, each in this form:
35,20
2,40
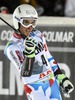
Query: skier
28,51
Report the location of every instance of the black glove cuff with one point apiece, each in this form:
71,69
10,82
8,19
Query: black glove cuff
58,71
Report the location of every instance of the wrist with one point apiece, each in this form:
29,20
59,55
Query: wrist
60,78
30,56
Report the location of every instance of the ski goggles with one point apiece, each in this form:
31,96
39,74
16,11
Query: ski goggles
27,22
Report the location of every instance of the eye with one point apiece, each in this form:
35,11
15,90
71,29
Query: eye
34,22
25,22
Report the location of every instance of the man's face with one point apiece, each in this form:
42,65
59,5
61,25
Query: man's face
25,30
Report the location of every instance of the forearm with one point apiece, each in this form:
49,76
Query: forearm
29,54
27,67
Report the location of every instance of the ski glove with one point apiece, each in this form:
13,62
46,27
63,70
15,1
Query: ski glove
65,84
30,45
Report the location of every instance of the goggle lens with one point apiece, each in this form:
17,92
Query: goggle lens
27,23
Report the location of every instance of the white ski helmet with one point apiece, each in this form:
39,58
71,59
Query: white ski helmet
24,12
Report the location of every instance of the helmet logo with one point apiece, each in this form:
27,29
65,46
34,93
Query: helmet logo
17,18
30,12
19,10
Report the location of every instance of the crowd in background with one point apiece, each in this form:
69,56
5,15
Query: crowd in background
64,8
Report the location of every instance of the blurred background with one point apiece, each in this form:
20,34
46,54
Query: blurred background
44,7
57,22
